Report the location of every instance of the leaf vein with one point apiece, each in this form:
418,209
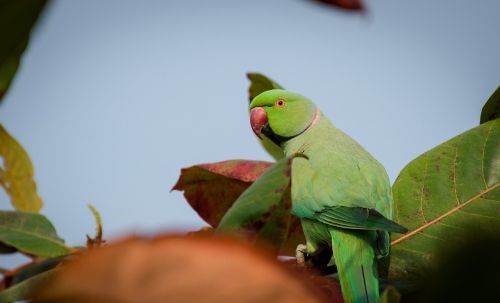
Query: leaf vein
446,214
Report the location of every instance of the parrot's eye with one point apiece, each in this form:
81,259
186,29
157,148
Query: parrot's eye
280,103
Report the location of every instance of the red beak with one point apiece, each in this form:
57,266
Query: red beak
258,118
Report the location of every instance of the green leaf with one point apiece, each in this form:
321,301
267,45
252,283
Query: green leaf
259,84
32,234
17,18
97,240
491,110
16,174
262,214
448,191
35,269
24,289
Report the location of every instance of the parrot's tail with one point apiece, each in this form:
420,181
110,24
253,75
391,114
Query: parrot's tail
354,255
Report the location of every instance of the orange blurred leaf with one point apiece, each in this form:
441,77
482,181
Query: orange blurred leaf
176,269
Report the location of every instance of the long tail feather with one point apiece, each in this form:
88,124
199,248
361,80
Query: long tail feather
356,264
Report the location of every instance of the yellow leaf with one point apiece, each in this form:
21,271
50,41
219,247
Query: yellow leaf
16,174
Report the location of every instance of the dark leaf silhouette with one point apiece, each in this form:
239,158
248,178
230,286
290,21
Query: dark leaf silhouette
17,18
491,110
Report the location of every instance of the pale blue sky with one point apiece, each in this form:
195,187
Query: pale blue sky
114,97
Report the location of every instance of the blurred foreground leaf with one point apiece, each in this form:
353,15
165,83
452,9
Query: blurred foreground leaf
491,110
16,174
17,18
259,84
448,191
262,214
31,233
24,289
175,269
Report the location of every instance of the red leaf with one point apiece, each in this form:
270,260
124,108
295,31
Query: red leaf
352,5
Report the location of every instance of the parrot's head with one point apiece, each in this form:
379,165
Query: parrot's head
281,115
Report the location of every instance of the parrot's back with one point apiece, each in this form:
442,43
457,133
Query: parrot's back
335,181
337,171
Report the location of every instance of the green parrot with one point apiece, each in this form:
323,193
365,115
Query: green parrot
341,194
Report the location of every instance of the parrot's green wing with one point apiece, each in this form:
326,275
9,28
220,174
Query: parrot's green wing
357,218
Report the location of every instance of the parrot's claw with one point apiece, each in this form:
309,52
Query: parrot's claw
301,254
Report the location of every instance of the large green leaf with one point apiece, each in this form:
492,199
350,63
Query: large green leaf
447,192
17,18
491,110
32,234
16,174
262,214
23,290
259,84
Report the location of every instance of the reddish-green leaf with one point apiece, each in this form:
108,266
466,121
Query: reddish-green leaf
211,189
262,214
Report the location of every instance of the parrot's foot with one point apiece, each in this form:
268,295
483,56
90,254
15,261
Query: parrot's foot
301,254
